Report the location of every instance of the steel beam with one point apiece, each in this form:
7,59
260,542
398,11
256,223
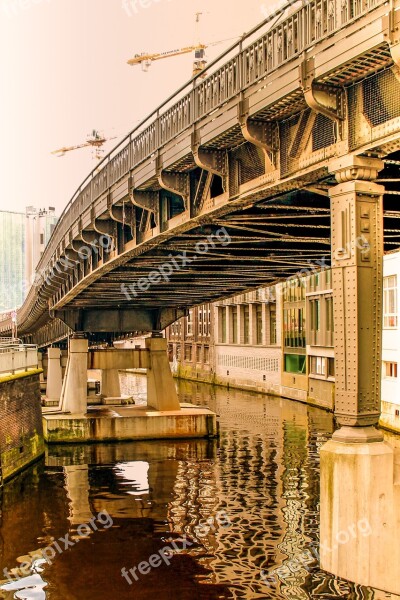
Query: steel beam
122,320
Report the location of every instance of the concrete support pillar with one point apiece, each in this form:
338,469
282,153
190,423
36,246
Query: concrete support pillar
359,526
110,385
161,391
54,374
74,390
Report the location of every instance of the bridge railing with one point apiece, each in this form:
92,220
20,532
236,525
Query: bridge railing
289,31
16,356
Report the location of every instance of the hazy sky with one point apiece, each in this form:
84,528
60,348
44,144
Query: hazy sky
63,72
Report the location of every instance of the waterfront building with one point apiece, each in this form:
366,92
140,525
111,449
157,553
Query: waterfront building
319,337
294,381
191,344
248,341
279,340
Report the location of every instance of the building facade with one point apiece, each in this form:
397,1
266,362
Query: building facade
12,259
39,227
23,237
280,340
391,343
248,341
191,344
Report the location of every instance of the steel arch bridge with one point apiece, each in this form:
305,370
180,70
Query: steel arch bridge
225,187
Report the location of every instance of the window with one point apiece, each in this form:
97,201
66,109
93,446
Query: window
222,324
294,290
315,314
42,239
328,278
331,367
190,322
272,324
390,302
200,321
293,322
246,324
206,354
178,352
318,365
259,325
198,354
295,363
234,324
389,369
188,352
329,313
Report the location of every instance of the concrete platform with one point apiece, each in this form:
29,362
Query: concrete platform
101,424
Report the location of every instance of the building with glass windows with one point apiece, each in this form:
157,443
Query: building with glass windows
391,343
280,340
12,259
23,237
248,341
191,344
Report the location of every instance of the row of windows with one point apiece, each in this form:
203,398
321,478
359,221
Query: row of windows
203,323
232,325
318,365
294,328
294,290
248,362
191,353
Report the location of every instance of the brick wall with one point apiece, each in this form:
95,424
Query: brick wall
21,431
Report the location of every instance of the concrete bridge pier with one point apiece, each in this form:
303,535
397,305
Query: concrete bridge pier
110,384
74,389
359,518
161,390
54,375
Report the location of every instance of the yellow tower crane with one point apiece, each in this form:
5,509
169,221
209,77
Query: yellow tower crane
145,59
95,140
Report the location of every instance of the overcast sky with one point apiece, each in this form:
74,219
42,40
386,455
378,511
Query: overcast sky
63,72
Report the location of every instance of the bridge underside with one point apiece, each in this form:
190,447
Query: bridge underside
271,240
228,189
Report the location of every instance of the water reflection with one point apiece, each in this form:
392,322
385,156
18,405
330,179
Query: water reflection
263,473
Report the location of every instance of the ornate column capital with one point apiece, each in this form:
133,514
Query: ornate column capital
354,168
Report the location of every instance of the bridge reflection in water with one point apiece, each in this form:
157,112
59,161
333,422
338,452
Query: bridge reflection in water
263,472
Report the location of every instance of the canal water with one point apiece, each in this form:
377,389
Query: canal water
235,517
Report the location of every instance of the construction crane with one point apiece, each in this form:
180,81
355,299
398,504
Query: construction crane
145,59
95,140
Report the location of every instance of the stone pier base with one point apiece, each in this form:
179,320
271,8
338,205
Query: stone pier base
102,424
360,514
